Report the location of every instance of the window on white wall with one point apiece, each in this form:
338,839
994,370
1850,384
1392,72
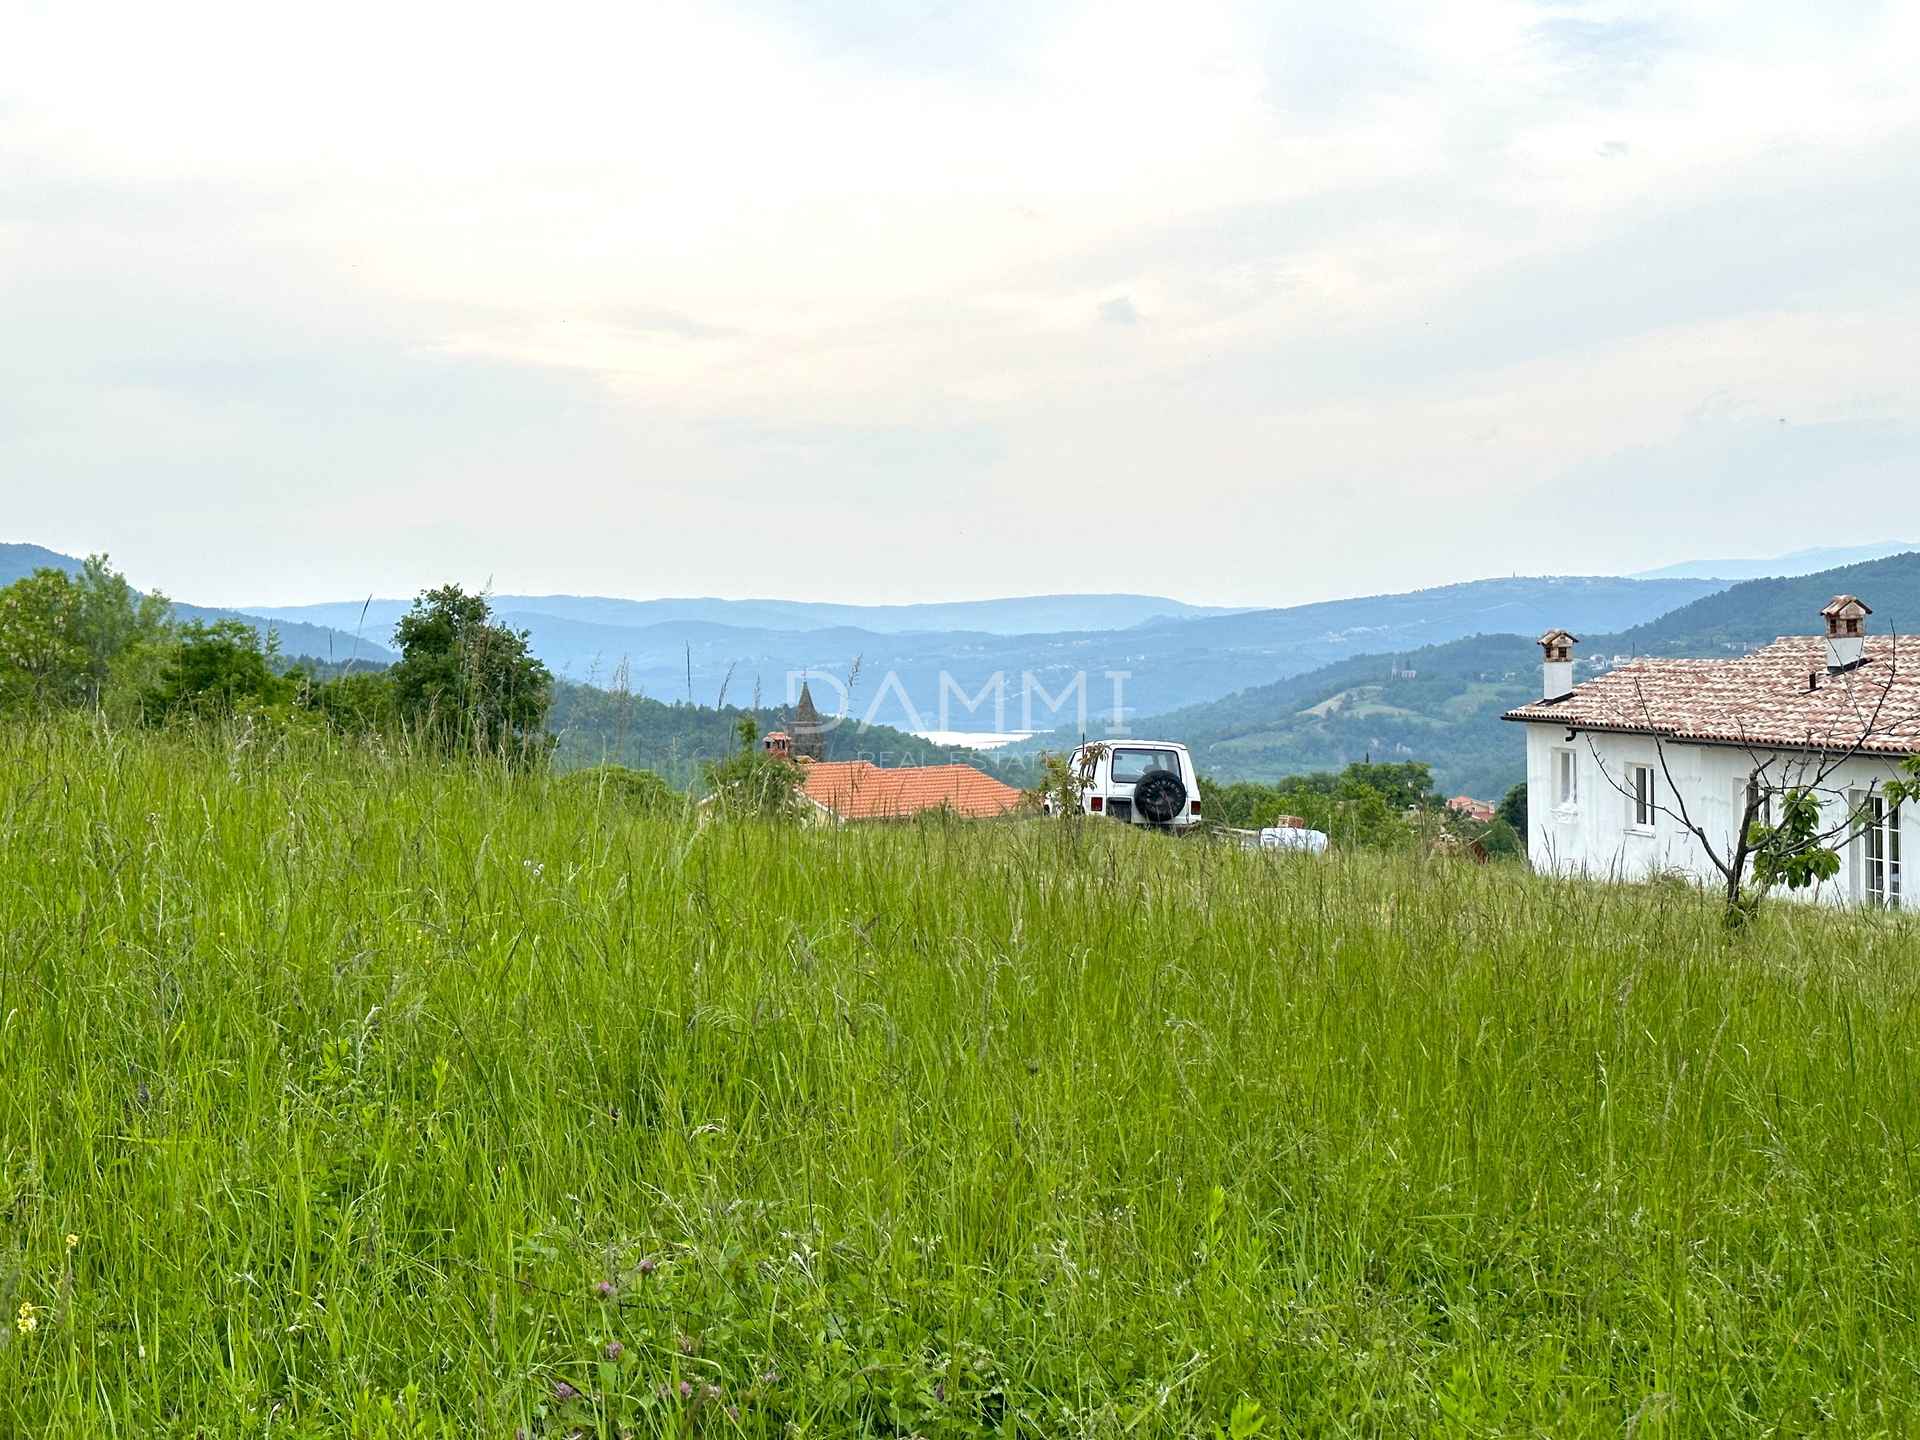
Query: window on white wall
1564,792
1880,852
1640,793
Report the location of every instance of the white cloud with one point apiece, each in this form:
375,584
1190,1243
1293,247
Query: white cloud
311,301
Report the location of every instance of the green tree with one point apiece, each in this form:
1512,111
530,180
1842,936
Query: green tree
127,632
1513,808
1405,786
1237,805
1361,815
41,648
753,782
78,640
467,683
220,668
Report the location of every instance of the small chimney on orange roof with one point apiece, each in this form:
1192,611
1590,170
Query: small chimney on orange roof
777,743
1556,649
1846,619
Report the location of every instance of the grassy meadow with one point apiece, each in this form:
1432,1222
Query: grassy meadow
350,1094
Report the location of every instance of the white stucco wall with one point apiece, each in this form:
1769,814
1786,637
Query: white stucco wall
1595,835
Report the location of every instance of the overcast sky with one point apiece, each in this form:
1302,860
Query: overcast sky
892,301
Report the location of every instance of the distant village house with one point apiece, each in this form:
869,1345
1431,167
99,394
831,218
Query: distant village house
842,790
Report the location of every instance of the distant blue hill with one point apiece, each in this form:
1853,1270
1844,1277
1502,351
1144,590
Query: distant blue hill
1800,562
1171,662
19,561
1173,654
1019,615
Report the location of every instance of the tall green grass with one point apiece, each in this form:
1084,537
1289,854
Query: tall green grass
381,1098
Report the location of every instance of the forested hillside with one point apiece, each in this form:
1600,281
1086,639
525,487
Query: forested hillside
1439,703
19,561
1172,662
1755,612
1442,703
678,740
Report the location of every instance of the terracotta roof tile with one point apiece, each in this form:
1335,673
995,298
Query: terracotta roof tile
860,790
1757,699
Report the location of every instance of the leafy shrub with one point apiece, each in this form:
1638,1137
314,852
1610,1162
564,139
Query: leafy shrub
357,703
1377,805
641,791
219,668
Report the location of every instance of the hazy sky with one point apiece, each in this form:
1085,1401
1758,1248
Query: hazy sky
895,301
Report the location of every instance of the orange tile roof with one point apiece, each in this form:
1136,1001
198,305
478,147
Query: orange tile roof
861,790
1757,699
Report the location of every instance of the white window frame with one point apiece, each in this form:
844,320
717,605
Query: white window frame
1856,847
1641,798
1563,766
1881,870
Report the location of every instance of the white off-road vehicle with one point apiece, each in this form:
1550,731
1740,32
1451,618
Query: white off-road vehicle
1140,782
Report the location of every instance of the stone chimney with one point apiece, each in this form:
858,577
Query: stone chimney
1846,621
777,744
1556,649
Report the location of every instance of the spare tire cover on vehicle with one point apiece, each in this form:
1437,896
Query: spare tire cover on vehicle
1159,796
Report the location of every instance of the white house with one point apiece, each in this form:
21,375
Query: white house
1623,769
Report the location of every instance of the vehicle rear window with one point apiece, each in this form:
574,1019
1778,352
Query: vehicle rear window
1130,765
